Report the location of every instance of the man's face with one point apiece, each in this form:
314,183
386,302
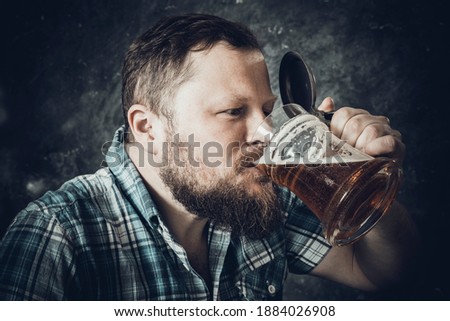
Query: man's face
216,113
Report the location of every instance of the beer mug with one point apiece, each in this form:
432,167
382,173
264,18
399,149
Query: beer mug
346,189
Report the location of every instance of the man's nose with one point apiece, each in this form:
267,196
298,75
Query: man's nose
258,129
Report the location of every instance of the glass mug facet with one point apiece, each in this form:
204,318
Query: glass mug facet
346,189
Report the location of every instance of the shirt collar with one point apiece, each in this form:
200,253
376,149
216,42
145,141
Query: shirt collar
127,176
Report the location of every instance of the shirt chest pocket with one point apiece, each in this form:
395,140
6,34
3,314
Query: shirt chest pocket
265,282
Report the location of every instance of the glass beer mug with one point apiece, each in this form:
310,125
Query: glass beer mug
346,189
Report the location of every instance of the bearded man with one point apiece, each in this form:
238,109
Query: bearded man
181,212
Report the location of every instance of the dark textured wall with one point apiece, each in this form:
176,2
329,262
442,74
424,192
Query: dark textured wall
60,94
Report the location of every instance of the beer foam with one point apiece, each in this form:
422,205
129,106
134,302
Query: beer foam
306,140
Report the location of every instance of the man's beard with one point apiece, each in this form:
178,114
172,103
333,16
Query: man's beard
225,200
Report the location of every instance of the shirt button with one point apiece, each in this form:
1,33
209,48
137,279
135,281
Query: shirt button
154,222
272,289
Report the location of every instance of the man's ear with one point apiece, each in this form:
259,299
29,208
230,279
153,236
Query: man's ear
146,127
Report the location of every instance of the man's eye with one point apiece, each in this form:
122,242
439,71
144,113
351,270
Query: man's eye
234,112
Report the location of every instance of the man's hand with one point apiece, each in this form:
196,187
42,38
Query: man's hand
383,256
371,134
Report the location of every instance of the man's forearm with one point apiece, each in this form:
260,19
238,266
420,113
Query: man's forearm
386,254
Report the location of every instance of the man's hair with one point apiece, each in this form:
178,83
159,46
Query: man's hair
155,65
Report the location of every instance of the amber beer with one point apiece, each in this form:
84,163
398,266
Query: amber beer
348,198
348,190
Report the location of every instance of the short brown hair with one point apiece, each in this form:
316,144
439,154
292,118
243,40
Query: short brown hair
154,65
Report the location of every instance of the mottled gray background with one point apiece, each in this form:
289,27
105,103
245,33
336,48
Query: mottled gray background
60,95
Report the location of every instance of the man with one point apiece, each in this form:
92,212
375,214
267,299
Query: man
180,213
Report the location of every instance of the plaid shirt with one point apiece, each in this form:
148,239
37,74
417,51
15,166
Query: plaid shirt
100,237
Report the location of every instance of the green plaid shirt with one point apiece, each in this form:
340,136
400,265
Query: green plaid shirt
100,237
